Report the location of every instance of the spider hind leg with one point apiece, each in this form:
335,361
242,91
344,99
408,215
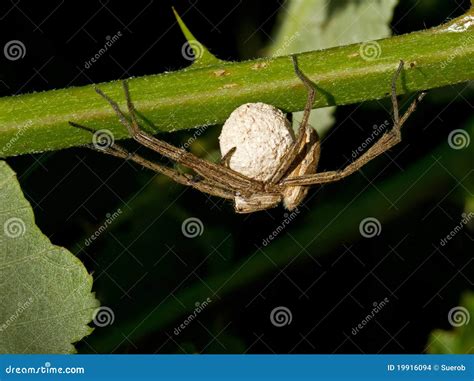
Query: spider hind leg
387,141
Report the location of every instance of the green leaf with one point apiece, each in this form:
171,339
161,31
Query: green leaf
45,296
321,24
461,339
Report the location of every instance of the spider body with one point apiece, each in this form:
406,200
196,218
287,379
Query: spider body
256,172
257,138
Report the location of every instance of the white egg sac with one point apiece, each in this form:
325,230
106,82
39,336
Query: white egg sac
262,136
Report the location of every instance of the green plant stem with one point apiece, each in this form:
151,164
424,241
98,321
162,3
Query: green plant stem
206,95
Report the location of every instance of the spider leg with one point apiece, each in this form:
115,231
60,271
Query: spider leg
205,186
226,158
216,173
304,130
387,141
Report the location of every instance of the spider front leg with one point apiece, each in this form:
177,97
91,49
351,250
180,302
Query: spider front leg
387,141
213,172
205,186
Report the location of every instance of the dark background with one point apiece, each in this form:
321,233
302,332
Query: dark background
143,257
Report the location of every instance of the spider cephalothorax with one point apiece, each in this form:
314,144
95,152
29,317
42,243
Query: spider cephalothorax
263,163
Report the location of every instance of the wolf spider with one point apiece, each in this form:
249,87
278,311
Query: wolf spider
295,173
